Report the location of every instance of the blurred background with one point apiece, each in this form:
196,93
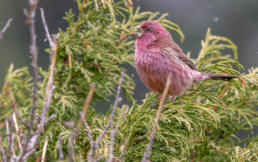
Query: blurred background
236,20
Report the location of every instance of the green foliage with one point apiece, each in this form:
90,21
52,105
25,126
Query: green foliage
195,127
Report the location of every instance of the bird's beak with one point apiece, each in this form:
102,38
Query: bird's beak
138,34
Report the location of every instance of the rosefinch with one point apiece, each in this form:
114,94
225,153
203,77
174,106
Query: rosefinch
157,56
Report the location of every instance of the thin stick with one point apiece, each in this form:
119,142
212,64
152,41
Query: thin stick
10,150
110,121
2,153
34,53
60,152
124,150
15,107
46,28
50,118
90,138
113,134
50,87
44,149
85,108
4,29
2,149
158,115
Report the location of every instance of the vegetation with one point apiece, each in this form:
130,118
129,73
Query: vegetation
199,126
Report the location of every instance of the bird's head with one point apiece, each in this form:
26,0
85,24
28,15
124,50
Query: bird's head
151,31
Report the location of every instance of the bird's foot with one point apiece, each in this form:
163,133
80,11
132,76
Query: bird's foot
173,100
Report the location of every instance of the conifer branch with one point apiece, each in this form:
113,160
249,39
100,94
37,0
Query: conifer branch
44,149
4,29
158,115
46,28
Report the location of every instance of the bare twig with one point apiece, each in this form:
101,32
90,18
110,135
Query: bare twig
28,154
100,158
92,146
85,108
50,87
60,152
34,53
124,150
88,131
158,115
15,107
46,28
10,138
113,134
50,118
2,153
2,149
4,29
110,121
71,149
44,149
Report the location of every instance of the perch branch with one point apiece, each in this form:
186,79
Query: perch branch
110,120
60,152
158,115
46,28
113,134
4,29
44,149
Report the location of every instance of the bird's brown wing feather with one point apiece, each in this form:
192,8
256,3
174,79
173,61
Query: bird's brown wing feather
174,50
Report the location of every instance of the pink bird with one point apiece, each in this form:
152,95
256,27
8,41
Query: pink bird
157,56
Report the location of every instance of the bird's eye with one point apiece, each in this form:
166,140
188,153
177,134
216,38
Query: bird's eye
148,29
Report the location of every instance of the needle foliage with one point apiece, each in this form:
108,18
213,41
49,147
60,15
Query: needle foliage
199,126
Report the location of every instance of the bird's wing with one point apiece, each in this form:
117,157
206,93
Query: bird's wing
175,51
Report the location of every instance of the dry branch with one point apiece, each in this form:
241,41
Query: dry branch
60,152
46,28
85,108
110,120
44,149
124,150
113,134
34,53
158,115
4,29
50,87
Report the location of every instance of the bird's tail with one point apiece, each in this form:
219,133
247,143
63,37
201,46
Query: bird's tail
221,76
